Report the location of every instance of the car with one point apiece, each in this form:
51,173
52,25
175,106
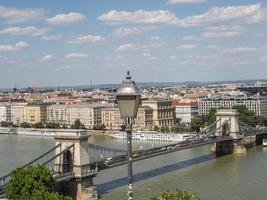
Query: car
108,161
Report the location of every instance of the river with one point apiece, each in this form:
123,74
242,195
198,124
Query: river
231,177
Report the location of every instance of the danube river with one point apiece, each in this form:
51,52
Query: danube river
229,177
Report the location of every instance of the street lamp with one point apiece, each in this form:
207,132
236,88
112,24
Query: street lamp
128,98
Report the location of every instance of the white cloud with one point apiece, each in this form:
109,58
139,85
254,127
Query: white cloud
139,17
29,30
137,47
123,31
15,15
52,37
186,47
155,38
48,57
212,47
239,50
185,1
12,48
76,56
222,31
66,18
87,39
263,59
222,14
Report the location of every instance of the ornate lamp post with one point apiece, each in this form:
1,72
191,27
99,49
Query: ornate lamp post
128,98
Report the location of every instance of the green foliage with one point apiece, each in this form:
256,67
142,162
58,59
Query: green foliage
156,128
249,117
30,180
164,129
99,127
178,128
197,122
6,124
78,124
177,195
52,125
38,125
25,125
33,183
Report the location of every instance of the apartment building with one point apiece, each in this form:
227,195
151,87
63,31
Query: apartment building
185,111
88,114
163,112
111,118
256,104
34,113
17,112
58,113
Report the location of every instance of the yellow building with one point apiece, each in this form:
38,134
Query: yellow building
111,118
34,113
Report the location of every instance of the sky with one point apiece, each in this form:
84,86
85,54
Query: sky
74,42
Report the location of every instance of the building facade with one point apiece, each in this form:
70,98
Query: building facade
256,104
35,113
111,118
58,113
88,114
17,113
163,112
185,111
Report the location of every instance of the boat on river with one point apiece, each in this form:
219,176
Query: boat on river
155,136
264,142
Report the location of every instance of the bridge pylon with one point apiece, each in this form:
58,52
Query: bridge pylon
228,125
76,161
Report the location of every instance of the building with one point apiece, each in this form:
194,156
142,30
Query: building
163,112
88,114
34,113
111,118
58,113
256,104
3,113
17,112
185,111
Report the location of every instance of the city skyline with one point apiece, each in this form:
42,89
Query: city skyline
44,44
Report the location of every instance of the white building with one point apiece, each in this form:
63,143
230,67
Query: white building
256,104
17,112
3,113
185,111
88,114
58,113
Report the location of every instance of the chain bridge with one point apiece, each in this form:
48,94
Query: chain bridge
74,163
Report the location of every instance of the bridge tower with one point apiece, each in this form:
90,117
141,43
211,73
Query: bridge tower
228,125
76,161
227,119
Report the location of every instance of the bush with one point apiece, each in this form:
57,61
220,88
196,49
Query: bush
177,195
32,183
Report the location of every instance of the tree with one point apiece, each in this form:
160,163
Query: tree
33,182
52,125
156,128
249,117
99,127
177,195
25,125
6,124
197,123
38,125
78,124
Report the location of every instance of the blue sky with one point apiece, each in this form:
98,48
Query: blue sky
71,42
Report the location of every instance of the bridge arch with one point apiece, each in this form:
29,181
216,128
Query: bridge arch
230,117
